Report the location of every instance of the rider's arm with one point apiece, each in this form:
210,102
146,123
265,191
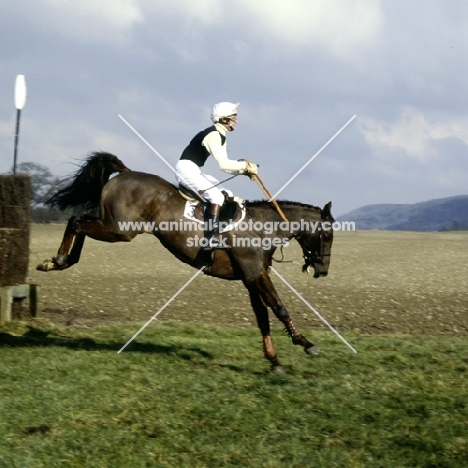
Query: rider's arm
212,142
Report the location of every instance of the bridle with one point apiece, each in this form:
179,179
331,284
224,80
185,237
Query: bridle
315,255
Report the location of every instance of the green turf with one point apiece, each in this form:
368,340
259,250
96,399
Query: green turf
186,395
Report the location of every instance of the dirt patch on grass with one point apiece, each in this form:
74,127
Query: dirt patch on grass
379,282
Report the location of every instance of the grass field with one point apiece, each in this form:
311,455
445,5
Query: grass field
189,393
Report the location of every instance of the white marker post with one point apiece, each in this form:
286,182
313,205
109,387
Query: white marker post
20,101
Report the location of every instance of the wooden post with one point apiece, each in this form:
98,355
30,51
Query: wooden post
21,291
5,304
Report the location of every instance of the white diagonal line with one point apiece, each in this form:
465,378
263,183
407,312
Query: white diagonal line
161,309
148,144
200,198
313,310
312,158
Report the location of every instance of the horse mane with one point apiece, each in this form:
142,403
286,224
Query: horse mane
85,185
253,203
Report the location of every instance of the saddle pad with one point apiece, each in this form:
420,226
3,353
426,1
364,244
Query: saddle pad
189,213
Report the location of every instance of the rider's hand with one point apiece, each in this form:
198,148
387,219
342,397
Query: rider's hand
251,170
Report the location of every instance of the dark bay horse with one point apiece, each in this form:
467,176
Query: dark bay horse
136,197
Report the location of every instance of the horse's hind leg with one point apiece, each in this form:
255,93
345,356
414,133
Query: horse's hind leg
60,262
70,249
270,298
75,252
74,237
261,313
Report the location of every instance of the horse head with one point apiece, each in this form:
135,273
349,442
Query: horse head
316,246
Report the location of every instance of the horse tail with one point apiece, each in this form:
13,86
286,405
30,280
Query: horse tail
85,185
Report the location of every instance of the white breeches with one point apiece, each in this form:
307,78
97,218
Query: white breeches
191,176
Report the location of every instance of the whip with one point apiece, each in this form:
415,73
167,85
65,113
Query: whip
269,196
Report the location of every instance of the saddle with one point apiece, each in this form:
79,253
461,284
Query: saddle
191,196
231,210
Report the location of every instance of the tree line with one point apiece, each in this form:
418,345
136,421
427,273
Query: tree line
44,184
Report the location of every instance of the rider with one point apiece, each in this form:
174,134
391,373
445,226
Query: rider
212,141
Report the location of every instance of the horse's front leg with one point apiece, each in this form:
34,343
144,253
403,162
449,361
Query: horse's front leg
270,298
261,313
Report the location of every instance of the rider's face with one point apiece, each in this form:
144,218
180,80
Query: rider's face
230,122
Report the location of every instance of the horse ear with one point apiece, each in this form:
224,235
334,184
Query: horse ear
326,211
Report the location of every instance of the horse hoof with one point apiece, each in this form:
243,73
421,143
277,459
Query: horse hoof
278,370
313,351
46,265
50,265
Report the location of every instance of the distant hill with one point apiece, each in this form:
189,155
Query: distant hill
435,215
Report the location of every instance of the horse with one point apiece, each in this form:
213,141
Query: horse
141,199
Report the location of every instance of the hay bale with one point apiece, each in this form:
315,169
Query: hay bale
15,198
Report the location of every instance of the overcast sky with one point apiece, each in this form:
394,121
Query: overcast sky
300,69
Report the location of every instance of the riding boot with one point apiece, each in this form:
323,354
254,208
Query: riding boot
212,227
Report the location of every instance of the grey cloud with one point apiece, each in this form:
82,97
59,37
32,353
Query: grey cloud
164,68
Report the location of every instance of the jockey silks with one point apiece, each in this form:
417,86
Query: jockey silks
196,151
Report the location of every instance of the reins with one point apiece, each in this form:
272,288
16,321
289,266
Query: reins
219,183
282,257
281,248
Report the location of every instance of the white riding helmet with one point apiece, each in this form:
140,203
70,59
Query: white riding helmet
223,109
